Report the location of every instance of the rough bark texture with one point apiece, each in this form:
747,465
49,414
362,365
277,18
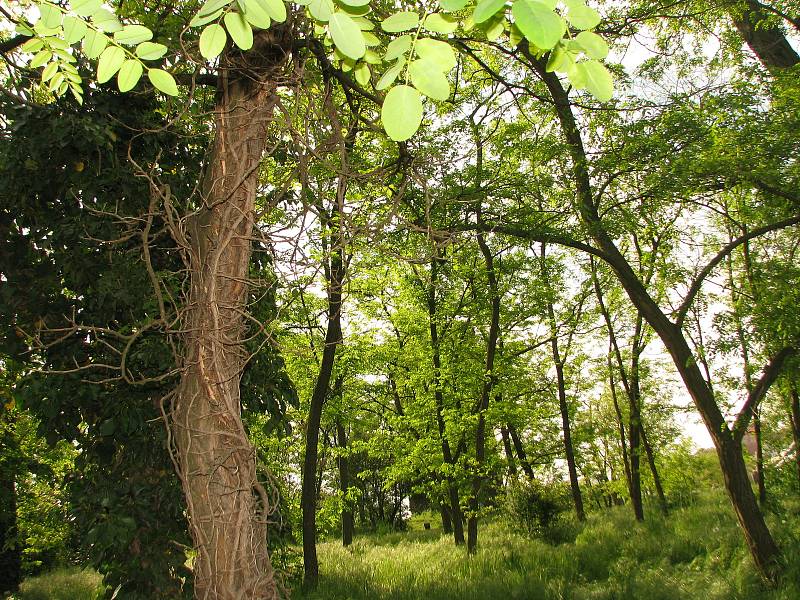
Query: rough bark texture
767,41
348,521
762,546
512,465
227,507
521,454
651,460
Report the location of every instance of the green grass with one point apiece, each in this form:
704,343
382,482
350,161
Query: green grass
68,583
697,554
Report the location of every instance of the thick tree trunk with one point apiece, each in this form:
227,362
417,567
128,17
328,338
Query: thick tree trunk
762,546
444,512
344,482
767,41
227,507
456,518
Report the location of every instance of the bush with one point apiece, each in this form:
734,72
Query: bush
538,508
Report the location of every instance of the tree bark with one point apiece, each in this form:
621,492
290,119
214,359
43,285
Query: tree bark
527,468
767,41
651,461
512,465
226,505
763,548
10,549
795,418
344,482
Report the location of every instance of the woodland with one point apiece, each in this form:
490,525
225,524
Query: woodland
344,299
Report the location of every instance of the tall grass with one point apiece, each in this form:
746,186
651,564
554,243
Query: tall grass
61,584
697,553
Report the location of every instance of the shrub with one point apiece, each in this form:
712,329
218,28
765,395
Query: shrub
537,508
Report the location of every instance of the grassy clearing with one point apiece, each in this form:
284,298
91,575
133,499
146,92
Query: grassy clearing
68,583
697,554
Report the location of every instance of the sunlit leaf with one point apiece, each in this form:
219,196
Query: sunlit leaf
592,44
163,81
94,43
397,47
109,63
74,29
439,23
401,21
276,9
50,16
212,41
439,53
391,74
538,23
239,29
599,82
129,75
346,35
487,9
133,34
428,79
150,50
85,8
401,113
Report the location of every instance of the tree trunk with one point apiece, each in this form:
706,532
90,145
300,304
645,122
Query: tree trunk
512,465
447,524
767,41
527,468
456,518
763,548
334,273
795,419
623,442
634,420
10,549
344,482
651,461
227,507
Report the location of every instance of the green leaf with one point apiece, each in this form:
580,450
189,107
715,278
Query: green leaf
129,75
150,50
212,41
593,45
211,7
364,24
23,29
32,45
85,8
94,43
487,9
362,74
560,60
346,35
50,16
370,39
397,47
440,23
390,75
439,53
355,2
256,14
400,21
199,21
540,25
239,29
74,29
321,10
110,61
49,71
494,27
372,57
276,9
401,113
453,5
599,82
105,20
133,34
41,58
429,79
163,81
583,17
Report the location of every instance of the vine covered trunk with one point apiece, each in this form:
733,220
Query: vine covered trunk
227,507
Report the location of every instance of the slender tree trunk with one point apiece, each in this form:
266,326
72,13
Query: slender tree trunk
651,461
563,406
634,421
10,549
489,378
344,481
512,465
334,272
227,507
621,426
444,511
795,419
763,548
524,463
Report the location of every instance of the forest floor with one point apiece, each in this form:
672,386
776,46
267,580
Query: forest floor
695,553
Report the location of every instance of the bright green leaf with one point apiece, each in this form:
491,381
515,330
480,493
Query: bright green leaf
391,74
598,80
397,47
592,44
440,23
150,50
163,81
74,29
355,2
321,10
212,41
583,17
129,75
256,14
453,5
429,79
239,29
107,21
110,61
49,71
401,113
276,9
41,58
346,35
32,45
487,9
439,53
85,8
200,20
540,25
133,34
212,6
362,74
372,57
494,27
50,15
94,43
370,39
401,21
364,24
